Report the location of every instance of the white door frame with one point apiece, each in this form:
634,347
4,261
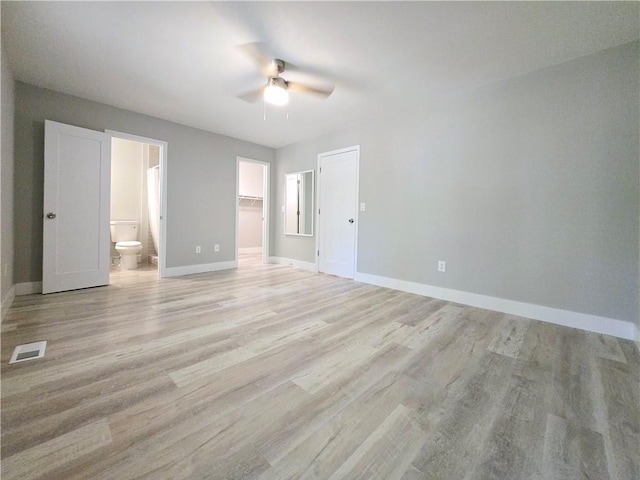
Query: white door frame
355,148
164,146
265,206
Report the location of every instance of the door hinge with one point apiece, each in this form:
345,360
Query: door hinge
320,169
318,211
318,252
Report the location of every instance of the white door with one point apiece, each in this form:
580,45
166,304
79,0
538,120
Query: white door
337,221
77,181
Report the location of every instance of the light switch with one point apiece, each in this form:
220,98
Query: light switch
362,207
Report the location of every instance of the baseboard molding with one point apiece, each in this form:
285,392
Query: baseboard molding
7,301
28,288
250,250
201,268
312,267
583,321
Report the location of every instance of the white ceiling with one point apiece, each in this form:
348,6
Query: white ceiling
180,61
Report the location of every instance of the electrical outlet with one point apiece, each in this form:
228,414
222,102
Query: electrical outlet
216,248
198,249
442,266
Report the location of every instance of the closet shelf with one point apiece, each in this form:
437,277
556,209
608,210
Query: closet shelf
249,198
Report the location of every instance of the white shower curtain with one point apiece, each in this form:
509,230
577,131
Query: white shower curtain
153,192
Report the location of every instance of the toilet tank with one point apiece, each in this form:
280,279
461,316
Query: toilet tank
124,230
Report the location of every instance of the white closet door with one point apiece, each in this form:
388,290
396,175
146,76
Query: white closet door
338,213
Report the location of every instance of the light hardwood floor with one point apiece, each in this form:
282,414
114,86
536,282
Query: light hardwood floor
267,372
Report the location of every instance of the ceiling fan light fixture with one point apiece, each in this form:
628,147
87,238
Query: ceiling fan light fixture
275,92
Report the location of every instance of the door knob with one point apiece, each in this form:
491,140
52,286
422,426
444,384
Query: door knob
351,220
51,215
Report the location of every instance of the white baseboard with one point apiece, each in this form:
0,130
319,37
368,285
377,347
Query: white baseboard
7,301
28,288
201,268
250,250
583,321
312,267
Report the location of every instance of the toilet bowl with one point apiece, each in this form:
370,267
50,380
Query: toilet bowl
125,233
129,251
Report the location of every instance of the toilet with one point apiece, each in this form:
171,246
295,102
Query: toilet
125,234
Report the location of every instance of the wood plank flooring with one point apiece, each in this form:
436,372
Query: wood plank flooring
268,372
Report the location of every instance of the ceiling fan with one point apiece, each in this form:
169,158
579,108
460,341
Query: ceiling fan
276,90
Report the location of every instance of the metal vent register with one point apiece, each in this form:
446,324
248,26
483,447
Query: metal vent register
28,351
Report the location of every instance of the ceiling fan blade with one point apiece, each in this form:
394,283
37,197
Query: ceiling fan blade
252,96
260,54
299,87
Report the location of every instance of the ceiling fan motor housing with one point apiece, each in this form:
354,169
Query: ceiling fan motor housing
277,66
277,82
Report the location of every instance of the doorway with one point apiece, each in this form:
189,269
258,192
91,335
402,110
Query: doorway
252,207
76,228
338,211
137,197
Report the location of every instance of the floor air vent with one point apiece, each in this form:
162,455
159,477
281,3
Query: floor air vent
28,351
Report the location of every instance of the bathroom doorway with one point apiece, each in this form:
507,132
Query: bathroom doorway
137,204
252,209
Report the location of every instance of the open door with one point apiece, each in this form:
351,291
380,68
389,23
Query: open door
77,180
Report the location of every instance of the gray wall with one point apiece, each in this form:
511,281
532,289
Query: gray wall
6,176
528,188
201,176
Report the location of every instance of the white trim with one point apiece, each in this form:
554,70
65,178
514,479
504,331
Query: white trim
164,155
250,250
355,148
28,288
311,267
265,205
7,301
591,323
200,268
